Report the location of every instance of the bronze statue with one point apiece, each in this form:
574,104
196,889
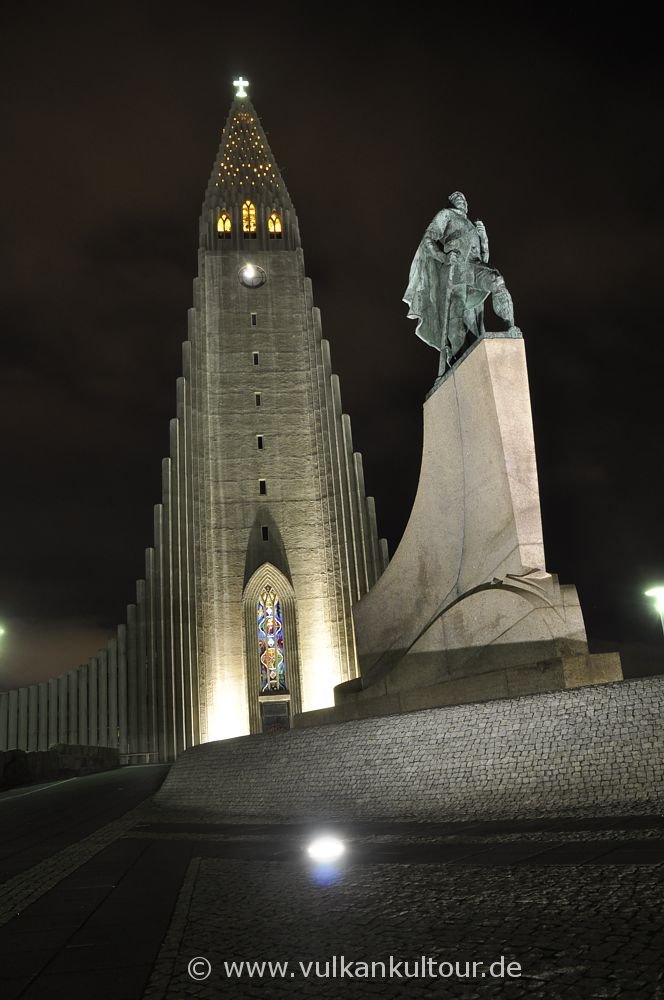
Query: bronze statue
450,280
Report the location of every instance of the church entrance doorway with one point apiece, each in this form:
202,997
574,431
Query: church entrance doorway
275,714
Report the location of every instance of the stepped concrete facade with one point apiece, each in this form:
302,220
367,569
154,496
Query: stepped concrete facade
264,538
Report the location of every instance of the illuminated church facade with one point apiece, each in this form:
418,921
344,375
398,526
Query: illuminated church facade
264,538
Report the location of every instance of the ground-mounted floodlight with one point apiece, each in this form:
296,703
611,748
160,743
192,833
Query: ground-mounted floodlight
657,593
2,630
325,853
326,850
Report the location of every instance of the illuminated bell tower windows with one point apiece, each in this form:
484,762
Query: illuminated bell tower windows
249,220
274,227
224,226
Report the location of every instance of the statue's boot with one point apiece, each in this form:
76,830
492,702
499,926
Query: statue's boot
501,300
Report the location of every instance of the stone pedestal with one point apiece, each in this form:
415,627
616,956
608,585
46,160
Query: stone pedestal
466,604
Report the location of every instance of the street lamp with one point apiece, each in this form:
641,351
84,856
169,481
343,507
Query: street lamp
657,593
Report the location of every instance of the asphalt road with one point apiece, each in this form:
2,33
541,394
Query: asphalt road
38,821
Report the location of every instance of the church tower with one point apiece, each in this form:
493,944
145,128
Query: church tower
280,537
264,538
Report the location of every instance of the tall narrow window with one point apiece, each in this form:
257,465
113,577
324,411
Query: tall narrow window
257,398
262,487
224,226
249,220
274,229
272,663
259,442
255,357
254,319
265,532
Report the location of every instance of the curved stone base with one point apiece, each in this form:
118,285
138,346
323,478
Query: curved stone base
596,750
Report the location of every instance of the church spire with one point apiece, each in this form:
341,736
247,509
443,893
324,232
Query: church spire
246,197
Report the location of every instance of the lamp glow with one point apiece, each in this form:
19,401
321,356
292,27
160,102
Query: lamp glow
657,593
325,849
2,630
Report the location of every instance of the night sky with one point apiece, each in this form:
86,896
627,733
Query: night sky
111,123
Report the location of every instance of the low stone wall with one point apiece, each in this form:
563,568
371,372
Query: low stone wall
594,750
18,767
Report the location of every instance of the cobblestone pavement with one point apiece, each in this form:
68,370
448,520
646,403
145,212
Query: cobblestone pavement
576,902
577,930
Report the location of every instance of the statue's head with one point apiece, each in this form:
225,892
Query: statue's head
458,200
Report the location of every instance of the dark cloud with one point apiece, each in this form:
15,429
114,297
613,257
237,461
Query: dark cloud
110,128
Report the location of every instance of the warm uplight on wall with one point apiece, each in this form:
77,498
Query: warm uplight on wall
228,714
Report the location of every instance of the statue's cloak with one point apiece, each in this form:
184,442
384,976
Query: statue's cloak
445,299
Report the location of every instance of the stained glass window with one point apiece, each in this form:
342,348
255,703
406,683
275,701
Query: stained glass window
224,226
249,219
274,226
271,644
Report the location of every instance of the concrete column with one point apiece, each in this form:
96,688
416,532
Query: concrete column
384,554
362,509
102,734
63,708
141,679
22,719
122,689
373,537
186,419
83,714
113,712
160,634
72,708
151,625
349,527
185,557
53,711
176,599
167,583
201,501
344,574
12,728
93,702
200,555
43,715
4,719
132,679
33,717
351,485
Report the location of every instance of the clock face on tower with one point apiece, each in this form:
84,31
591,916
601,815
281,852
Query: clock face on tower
252,276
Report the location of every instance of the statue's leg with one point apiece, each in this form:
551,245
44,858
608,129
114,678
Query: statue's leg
445,359
501,300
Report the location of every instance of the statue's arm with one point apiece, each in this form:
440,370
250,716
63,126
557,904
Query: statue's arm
484,240
430,244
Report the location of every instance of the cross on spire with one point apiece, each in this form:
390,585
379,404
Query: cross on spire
241,84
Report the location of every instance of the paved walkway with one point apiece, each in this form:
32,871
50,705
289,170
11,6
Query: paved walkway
121,912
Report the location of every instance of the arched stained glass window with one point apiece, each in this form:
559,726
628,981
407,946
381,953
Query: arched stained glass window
224,226
271,644
274,227
249,220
